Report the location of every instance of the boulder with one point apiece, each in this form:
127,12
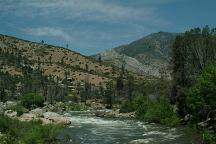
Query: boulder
49,115
28,117
48,107
10,103
56,118
202,124
188,117
117,114
38,112
10,114
99,113
45,121
127,115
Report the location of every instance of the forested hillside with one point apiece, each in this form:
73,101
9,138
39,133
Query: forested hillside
57,73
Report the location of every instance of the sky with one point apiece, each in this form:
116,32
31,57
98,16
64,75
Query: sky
92,26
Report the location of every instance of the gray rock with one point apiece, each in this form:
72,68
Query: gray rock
141,141
28,117
188,117
45,121
10,114
10,103
99,113
56,118
38,112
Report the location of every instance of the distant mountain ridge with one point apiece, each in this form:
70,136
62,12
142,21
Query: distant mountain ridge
149,54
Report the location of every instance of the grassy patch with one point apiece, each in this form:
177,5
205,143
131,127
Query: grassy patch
16,132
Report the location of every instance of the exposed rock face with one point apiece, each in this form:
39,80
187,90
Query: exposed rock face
149,55
130,63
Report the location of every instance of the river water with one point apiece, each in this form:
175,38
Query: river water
88,129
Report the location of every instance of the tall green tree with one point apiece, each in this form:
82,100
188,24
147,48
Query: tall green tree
119,84
109,94
130,87
191,53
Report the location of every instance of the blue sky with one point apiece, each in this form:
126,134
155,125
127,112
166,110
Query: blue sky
91,26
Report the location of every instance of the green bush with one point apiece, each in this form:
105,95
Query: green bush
156,112
160,113
209,137
127,107
27,132
31,100
4,125
140,105
76,107
202,94
18,108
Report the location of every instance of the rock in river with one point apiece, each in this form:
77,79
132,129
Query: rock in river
56,118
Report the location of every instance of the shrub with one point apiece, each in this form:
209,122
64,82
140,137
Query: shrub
200,98
3,123
209,137
76,107
160,113
27,132
18,108
140,104
127,107
157,112
32,99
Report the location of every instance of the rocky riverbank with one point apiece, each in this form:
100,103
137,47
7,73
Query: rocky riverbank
44,114
54,113
114,114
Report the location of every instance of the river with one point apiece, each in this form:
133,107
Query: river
88,129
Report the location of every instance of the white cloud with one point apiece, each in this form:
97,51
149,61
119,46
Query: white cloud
85,23
47,31
86,10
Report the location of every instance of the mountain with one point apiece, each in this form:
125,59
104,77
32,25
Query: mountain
56,62
150,54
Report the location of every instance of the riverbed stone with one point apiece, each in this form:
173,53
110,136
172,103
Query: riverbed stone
45,121
99,113
28,117
141,141
56,118
10,114
10,103
38,112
